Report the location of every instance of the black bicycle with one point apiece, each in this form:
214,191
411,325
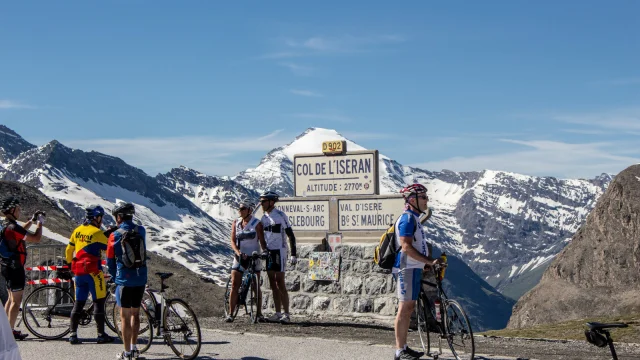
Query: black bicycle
447,318
247,287
600,337
173,320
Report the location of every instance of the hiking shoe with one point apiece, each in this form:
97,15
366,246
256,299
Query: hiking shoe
414,353
18,335
228,319
73,340
285,319
104,339
274,318
404,355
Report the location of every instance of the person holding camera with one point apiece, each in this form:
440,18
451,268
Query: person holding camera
13,254
88,243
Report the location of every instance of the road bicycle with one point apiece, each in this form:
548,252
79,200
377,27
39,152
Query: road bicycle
448,319
173,320
600,337
247,287
46,311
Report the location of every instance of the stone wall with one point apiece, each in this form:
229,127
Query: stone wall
363,289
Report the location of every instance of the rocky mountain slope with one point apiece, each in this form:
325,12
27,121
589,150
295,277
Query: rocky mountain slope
598,273
73,178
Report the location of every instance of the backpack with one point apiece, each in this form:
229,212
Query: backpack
133,251
386,252
10,256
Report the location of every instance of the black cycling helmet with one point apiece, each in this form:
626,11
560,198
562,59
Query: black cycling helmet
269,195
9,203
123,209
93,211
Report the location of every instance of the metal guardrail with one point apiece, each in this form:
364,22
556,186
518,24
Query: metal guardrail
42,262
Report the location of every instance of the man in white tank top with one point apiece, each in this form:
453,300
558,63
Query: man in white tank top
247,236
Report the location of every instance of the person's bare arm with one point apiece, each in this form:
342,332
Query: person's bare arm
36,236
234,246
407,248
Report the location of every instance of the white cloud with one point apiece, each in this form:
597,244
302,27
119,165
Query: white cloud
330,116
323,45
546,158
307,93
297,69
624,119
208,154
10,104
621,81
345,43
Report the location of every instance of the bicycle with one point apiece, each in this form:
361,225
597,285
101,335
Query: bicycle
451,322
249,279
46,311
600,337
170,318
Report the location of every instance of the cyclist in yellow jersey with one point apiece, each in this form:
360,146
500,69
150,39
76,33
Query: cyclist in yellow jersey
88,243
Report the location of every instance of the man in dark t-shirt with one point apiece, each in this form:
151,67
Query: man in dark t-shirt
13,254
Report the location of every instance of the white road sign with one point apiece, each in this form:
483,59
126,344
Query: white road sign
304,215
368,214
351,174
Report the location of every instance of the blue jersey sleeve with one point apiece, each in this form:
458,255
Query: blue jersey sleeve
406,225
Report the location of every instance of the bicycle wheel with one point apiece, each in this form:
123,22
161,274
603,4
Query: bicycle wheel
227,296
145,333
458,330
422,318
109,305
252,301
181,324
46,312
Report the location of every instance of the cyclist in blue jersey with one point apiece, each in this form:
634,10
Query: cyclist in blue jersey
410,260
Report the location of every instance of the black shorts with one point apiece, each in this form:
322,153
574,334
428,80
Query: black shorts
14,276
129,296
276,260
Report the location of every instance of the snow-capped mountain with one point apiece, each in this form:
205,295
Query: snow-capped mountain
506,226
177,228
217,196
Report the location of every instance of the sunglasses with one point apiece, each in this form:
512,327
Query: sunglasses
243,208
423,197
264,201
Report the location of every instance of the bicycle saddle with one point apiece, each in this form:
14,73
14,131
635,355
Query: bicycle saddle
600,326
164,276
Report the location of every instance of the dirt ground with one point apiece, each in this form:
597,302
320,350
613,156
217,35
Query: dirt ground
372,333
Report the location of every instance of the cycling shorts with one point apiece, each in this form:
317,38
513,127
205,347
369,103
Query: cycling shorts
242,265
90,283
129,296
276,261
14,276
409,282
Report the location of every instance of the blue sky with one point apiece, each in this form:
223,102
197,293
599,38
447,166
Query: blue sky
541,88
